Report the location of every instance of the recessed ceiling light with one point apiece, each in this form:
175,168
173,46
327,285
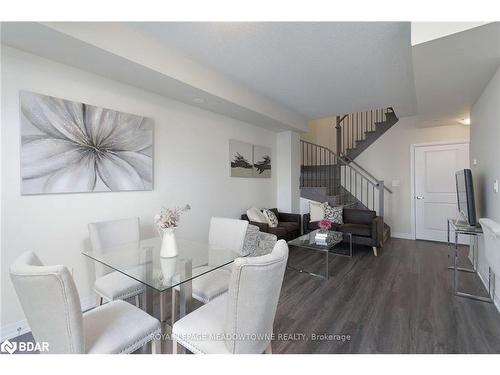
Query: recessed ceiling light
199,100
464,121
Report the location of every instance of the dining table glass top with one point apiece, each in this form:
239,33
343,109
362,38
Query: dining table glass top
141,261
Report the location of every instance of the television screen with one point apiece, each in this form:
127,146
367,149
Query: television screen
465,196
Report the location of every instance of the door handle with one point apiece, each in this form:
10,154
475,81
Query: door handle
419,197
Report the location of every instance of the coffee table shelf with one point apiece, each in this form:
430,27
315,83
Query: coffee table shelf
337,243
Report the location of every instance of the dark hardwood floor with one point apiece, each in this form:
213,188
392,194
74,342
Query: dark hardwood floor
398,302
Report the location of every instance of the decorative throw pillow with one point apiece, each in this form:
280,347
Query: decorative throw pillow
317,211
334,214
272,220
255,215
251,240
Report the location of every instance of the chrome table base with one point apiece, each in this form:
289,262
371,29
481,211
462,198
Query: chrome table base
472,232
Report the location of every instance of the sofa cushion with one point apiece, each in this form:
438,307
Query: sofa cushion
279,232
254,214
356,216
275,211
271,218
290,227
355,229
317,210
334,214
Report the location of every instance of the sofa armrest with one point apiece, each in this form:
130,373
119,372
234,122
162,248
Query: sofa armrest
377,230
289,218
305,223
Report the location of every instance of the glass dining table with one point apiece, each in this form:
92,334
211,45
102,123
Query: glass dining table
141,261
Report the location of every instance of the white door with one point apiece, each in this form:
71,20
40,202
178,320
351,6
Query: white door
435,188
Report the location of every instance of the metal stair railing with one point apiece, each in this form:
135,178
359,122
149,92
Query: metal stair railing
354,127
323,168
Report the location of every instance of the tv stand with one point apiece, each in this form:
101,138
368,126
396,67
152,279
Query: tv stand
462,227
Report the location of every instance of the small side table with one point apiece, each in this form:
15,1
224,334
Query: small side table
473,232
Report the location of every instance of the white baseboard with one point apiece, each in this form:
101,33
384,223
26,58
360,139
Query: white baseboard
9,331
405,236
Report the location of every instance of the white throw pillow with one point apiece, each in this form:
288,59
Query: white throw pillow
255,215
272,220
317,211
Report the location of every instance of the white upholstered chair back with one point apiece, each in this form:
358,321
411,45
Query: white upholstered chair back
50,302
491,231
227,234
254,291
112,233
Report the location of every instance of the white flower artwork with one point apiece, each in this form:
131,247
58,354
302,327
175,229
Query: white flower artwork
70,147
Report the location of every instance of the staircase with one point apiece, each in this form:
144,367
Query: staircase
357,131
334,176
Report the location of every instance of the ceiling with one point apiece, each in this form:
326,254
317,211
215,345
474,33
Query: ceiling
451,72
116,52
278,75
318,69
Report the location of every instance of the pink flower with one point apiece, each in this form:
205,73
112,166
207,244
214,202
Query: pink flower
325,224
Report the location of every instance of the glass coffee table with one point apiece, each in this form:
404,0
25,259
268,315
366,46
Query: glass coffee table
336,243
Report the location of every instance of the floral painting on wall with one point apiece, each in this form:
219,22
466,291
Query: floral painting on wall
247,160
241,156
70,147
261,161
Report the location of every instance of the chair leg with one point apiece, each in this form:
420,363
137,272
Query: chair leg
174,346
375,250
156,347
143,301
137,301
173,306
269,349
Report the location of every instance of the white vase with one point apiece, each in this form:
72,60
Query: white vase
168,244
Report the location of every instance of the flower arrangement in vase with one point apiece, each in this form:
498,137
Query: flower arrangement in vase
166,222
324,225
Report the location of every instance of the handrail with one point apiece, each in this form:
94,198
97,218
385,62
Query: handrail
342,161
364,171
354,127
322,167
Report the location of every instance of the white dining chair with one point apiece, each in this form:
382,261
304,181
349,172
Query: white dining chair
224,234
51,303
240,321
112,285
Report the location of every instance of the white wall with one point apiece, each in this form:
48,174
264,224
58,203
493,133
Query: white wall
485,148
322,132
190,166
288,175
422,32
388,158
